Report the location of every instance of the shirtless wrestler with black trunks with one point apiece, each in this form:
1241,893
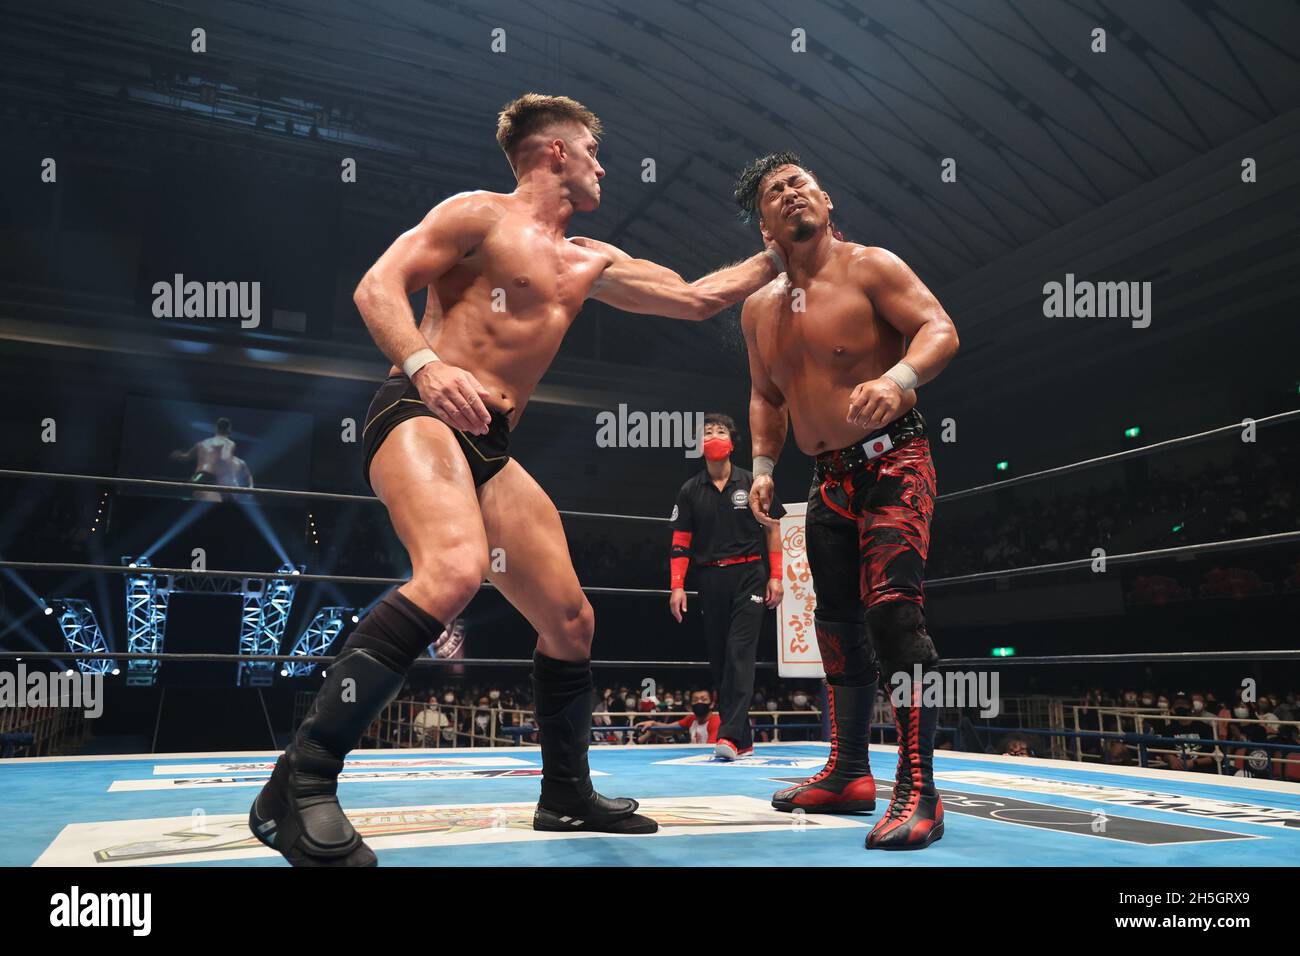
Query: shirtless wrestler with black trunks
504,286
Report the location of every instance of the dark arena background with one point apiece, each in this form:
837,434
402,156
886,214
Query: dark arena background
1103,198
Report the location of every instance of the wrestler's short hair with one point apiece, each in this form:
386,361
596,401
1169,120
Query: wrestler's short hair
752,176
534,111
223,426
723,419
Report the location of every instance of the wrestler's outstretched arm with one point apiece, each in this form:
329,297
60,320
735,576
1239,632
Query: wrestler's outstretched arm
638,285
414,261
902,300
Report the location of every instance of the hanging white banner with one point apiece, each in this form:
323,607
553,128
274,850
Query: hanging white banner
797,654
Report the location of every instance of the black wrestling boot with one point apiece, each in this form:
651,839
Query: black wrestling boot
914,819
298,813
562,700
845,784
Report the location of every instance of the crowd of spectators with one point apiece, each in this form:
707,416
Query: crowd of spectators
450,715
1190,722
1252,495
485,715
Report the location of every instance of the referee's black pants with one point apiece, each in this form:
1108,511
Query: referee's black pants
732,599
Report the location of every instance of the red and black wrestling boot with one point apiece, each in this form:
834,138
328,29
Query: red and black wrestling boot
914,819
845,784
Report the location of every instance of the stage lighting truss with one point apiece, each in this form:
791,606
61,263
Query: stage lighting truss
317,639
265,613
146,620
81,632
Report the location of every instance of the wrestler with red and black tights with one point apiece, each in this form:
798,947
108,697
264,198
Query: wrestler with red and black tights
837,346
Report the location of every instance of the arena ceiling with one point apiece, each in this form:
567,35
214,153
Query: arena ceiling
1043,129
1067,160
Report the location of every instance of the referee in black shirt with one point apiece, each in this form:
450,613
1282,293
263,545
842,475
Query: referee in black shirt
739,575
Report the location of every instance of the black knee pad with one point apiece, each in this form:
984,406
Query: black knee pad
898,630
396,631
847,655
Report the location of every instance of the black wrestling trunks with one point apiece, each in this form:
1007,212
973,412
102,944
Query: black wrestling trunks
398,399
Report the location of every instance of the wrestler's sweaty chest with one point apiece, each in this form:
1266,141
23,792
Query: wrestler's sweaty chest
529,272
825,330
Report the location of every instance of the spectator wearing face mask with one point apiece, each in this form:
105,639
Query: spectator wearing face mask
801,701
1192,755
429,723
1201,708
1211,702
1251,760
481,726
771,734
600,719
702,725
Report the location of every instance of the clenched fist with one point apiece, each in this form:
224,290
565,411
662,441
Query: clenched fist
875,404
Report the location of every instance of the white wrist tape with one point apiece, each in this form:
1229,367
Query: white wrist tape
763,465
903,375
418,360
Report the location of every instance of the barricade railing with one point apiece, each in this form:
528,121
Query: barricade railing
41,731
1228,750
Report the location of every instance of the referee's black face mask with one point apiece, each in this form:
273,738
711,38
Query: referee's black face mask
700,710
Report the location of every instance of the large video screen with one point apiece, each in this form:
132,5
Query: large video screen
215,444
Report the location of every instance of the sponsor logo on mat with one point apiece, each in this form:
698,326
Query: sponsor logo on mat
1042,816
390,776
771,763
225,838
266,766
1200,807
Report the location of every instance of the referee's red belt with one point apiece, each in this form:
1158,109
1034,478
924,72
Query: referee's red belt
727,562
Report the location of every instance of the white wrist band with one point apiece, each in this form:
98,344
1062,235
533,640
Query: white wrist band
763,465
418,360
903,375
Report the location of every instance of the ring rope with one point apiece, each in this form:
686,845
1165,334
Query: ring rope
1116,456
267,575
1208,547
268,492
214,658
335,496
1280,654
1151,657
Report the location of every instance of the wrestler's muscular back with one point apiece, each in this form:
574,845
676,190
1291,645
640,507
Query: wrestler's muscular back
817,356
503,309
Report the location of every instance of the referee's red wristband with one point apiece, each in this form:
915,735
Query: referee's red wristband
775,558
677,568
